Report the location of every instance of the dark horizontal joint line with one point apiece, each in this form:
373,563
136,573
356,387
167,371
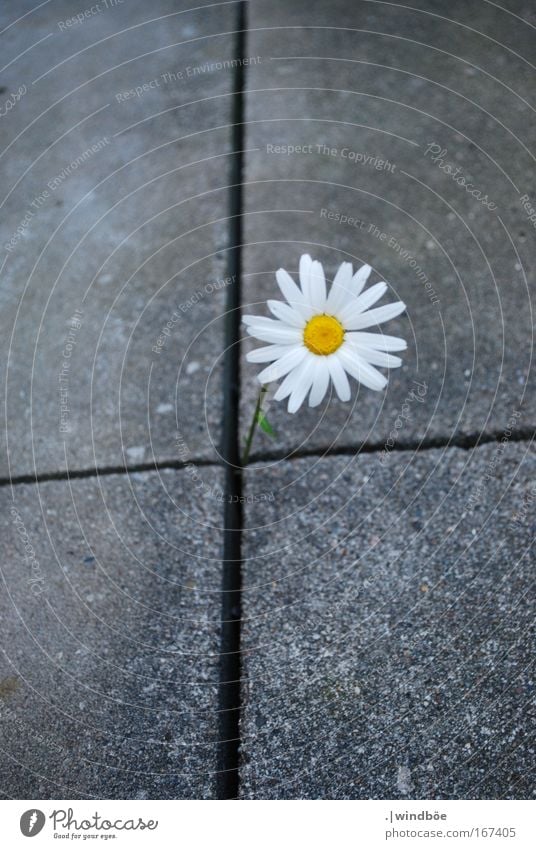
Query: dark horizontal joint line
459,440
101,471
464,441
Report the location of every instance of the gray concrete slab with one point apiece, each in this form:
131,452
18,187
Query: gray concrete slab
363,90
110,612
388,626
114,205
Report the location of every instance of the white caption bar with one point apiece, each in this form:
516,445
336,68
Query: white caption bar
263,825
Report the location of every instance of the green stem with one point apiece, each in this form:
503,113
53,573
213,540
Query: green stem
253,425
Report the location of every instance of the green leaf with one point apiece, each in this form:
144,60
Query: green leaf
263,423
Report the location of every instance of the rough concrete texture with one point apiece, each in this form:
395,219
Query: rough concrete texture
388,615
364,89
386,596
133,235
110,637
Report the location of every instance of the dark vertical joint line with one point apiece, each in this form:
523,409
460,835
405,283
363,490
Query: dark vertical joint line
229,685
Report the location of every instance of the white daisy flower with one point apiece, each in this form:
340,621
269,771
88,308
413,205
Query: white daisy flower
318,336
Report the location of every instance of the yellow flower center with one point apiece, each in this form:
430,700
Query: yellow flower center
323,334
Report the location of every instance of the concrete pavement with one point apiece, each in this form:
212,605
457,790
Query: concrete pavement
387,601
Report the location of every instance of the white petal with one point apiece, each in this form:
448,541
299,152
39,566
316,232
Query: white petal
361,370
356,306
317,283
303,385
291,381
320,382
360,278
293,294
305,275
268,354
340,290
378,341
338,376
376,316
283,365
286,313
287,386
277,335
264,321
288,287
377,358
250,319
